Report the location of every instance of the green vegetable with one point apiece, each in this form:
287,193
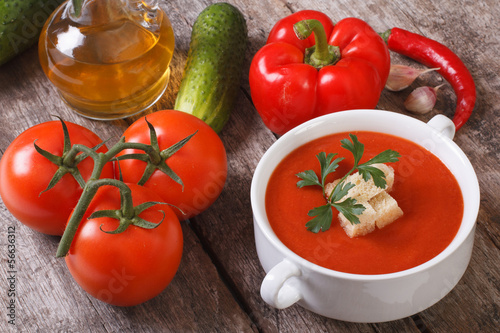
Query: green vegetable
21,23
214,65
322,216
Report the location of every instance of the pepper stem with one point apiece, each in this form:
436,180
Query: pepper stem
321,54
385,35
77,6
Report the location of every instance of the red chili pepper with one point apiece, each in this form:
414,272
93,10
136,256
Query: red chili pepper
338,68
434,54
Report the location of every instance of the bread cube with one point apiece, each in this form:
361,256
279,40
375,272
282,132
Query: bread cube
380,208
330,186
364,191
387,209
366,225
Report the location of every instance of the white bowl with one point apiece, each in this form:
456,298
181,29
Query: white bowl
291,279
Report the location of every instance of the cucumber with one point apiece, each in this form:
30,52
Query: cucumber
21,22
214,66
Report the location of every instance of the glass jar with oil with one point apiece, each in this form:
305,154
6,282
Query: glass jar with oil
109,59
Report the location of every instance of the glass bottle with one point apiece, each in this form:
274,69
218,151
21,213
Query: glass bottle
109,59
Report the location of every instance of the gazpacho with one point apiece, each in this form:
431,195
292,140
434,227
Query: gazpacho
423,187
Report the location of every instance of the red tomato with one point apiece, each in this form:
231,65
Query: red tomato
24,174
131,267
201,163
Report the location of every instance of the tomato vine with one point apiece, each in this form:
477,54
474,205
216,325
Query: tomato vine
155,158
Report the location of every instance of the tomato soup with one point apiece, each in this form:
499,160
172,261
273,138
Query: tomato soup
424,188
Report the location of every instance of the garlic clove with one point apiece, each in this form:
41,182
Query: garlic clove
401,76
422,99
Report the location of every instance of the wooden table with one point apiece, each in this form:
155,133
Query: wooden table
217,285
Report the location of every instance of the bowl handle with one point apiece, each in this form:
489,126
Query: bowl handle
443,125
274,289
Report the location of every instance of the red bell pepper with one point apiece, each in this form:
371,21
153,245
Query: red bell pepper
339,67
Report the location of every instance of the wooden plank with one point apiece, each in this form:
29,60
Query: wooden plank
217,286
47,297
230,231
237,234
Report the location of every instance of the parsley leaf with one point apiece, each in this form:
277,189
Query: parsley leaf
356,148
372,172
340,191
322,220
328,166
387,156
368,171
322,216
350,209
309,178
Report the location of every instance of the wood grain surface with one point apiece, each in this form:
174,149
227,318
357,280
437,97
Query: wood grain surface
217,286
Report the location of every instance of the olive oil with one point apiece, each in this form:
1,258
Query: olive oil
112,61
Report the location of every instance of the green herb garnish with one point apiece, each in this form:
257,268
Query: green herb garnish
323,216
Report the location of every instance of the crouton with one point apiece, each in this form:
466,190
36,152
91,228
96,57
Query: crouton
330,186
364,191
380,208
387,209
366,225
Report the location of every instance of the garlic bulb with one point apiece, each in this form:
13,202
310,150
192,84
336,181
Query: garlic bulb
422,99
401,76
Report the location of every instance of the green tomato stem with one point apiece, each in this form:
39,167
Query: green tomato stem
321,54
93,184
128,211
127,206
78,214
88,194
